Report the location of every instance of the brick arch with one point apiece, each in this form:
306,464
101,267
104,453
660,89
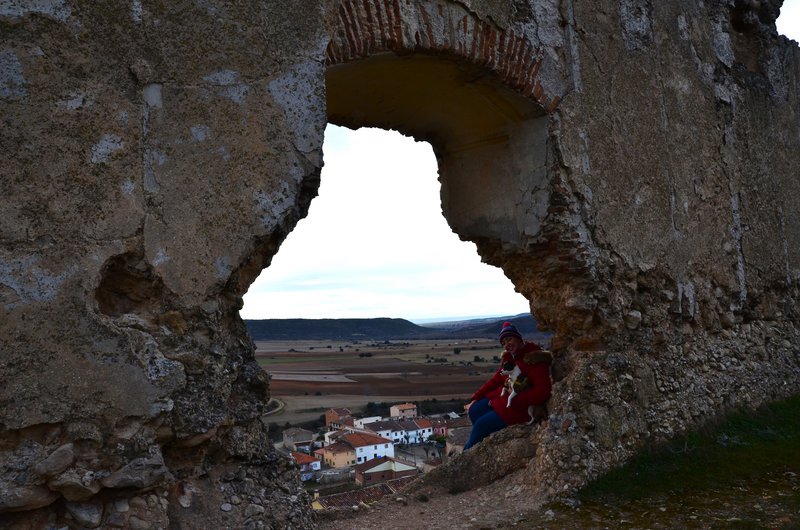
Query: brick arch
368,27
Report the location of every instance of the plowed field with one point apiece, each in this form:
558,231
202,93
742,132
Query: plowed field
312,376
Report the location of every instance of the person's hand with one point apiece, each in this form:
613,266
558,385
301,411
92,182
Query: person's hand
468,405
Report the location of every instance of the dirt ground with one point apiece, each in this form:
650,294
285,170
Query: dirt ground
309,377
769,502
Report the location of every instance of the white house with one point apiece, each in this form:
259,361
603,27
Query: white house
425,428
416,431
308,465
332,436
368,446
360,422
387,429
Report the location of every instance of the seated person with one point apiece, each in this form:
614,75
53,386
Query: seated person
516,392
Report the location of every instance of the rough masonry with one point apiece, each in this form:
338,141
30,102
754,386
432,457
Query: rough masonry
631,166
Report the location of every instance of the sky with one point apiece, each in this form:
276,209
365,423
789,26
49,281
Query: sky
375,242
788,22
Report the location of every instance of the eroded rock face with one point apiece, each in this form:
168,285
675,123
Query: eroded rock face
629,165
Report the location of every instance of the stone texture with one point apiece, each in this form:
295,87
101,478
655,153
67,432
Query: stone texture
58,461
505,453
150,175
139,473
75,484
86,514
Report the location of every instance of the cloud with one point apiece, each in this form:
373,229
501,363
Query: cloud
788,22
375,243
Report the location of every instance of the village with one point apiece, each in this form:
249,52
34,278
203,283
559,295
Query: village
356,461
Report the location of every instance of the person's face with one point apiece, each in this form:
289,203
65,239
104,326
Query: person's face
511,344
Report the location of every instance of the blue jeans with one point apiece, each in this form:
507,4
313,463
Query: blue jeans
485,421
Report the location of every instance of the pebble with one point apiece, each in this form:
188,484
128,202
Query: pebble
87,514
253,509
152,501
138,503
226,507
57,462
633,319
134,523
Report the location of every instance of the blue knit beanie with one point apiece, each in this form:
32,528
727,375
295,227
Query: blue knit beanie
509,331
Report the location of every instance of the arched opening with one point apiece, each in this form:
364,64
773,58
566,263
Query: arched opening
490,145
788,23
483,135
375,244
385,229
483,96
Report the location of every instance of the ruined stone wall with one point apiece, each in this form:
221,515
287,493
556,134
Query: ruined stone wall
677,150
154,156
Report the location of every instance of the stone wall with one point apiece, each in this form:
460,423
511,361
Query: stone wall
155,155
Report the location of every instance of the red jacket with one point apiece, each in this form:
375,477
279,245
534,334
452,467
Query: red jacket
533,364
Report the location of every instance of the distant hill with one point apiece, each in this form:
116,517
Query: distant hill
383,328
333,329
487,327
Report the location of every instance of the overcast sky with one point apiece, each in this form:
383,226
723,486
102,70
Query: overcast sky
375,243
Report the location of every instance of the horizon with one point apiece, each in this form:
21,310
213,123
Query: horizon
417,321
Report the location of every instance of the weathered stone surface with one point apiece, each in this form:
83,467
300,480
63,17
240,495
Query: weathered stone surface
149,177
14,497
58,461
75,484
88,514
139,473
504,453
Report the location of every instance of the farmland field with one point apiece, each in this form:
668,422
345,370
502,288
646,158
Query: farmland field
309,377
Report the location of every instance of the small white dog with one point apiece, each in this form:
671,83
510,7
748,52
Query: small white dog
514,383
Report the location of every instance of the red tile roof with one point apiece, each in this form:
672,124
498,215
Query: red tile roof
302,458
360,439
338,447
